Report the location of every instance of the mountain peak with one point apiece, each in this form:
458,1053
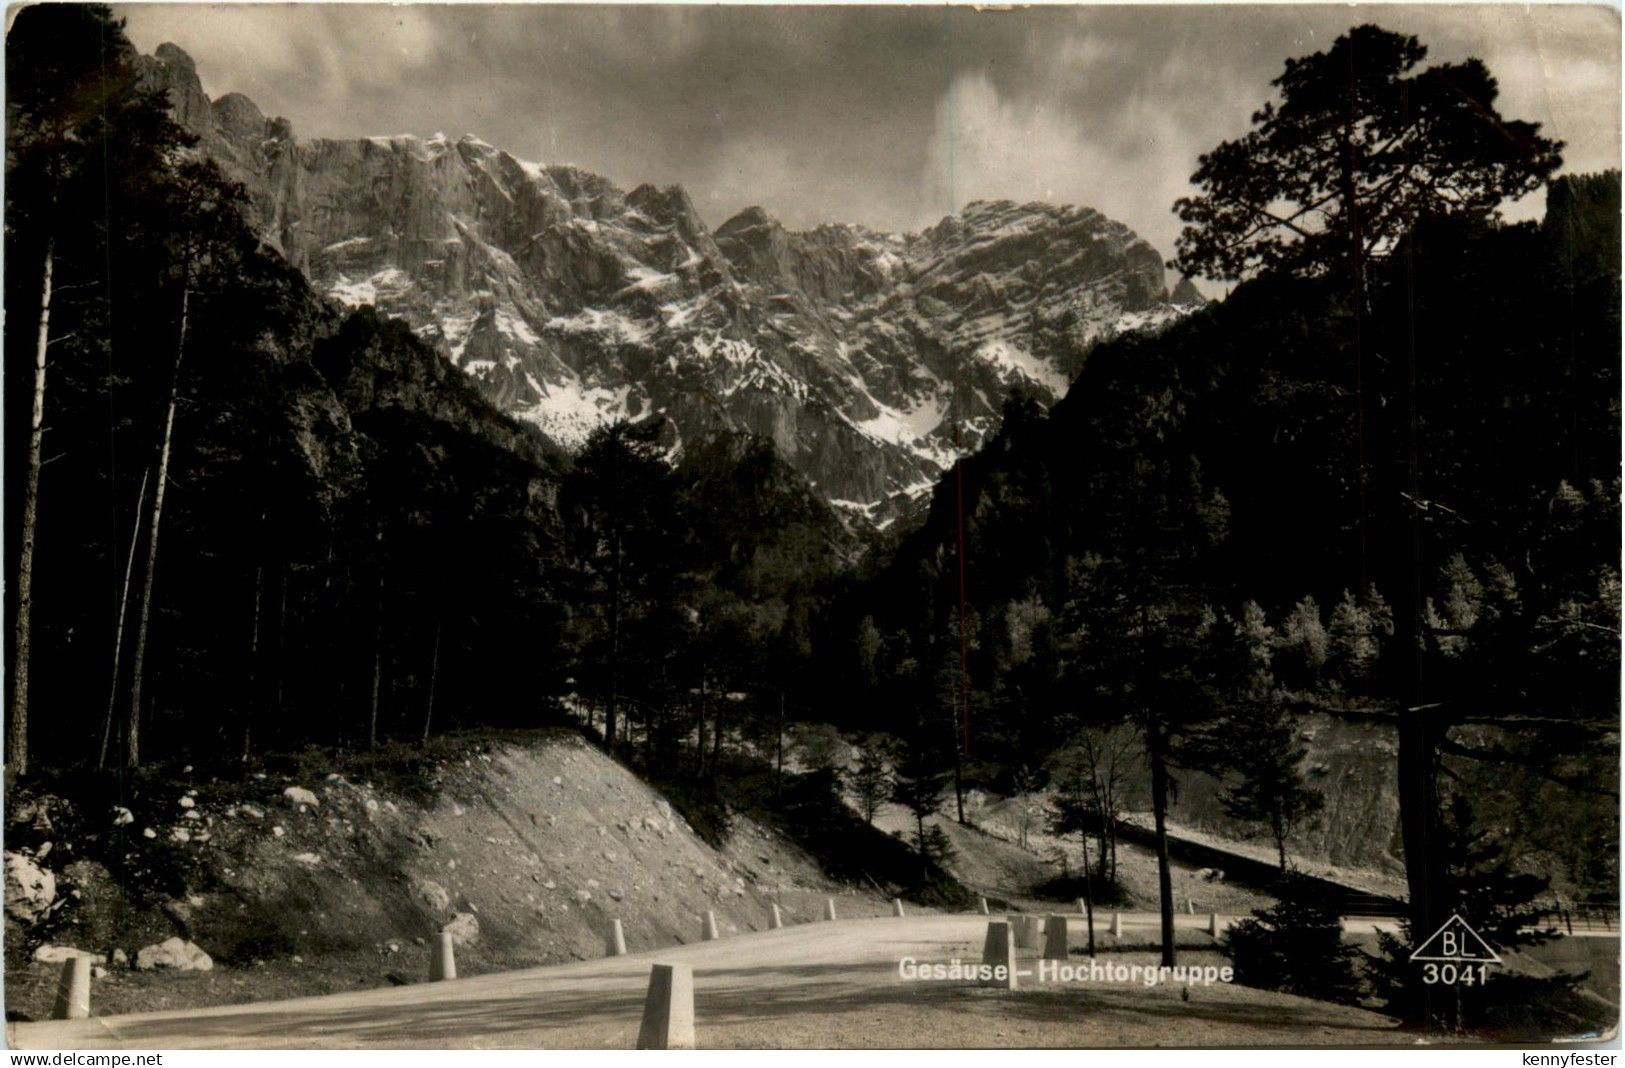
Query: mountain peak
174,55
671,204
236,115
750,219
1186,293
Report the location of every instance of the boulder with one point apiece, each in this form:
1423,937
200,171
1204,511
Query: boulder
32,815
298,795
464,929
58,954
173,953
30,889
434,896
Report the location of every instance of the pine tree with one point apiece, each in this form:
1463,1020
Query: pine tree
920,779
1481,884
1075,809
619,502
1296,945
1264,751
209,237
1357,152
872,778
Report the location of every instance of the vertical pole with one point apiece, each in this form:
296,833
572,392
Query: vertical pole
442,958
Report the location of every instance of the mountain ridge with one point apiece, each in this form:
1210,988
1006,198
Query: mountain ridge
870,360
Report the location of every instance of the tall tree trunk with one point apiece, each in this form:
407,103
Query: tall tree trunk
434,674
1109,813
17,736
658,710
717,727
611,719
132,737
1420,733
1349,192
1088,893
962,743
377,665
1159,811
778,770
699,733
118,626
959,785
1100,810
274,703
1114,843
253,662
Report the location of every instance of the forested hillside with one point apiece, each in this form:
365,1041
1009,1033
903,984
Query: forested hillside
1217,465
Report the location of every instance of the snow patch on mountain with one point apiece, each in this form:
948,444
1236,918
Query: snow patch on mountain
569,411
388,282
608,325
1013,360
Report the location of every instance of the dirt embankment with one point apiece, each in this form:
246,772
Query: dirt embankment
527,851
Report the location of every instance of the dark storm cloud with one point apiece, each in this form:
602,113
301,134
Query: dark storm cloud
884,116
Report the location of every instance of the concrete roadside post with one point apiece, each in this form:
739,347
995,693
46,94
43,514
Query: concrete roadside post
897,906
777,921
1213,924
442,958
615,941
1055,938
73,990
1000,951
984,906
1117,925
668,1009
708,927
829,908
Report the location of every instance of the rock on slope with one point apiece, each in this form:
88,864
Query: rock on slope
869,359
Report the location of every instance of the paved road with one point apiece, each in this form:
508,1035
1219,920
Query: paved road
816,985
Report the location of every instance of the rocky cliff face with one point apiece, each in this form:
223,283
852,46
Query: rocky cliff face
870,360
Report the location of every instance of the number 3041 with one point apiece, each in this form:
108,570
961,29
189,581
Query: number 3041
1453,974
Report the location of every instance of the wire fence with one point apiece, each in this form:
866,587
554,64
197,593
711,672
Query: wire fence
1586,914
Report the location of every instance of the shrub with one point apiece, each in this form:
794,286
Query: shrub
1296,946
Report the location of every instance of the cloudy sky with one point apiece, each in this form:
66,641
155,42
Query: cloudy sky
889,117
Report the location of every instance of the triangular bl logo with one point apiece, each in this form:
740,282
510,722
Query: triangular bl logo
1454,943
